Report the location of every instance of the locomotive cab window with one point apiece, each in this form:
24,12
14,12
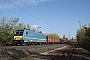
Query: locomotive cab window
27,32
19,33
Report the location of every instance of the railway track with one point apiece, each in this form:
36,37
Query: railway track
64,55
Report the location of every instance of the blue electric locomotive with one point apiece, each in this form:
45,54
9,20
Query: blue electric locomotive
28,37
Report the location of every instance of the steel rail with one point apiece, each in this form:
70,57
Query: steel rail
65,55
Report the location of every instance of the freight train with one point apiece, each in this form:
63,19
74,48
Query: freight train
27,37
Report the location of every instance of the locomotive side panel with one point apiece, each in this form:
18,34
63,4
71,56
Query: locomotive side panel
35,38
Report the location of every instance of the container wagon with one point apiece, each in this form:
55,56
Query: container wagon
51,40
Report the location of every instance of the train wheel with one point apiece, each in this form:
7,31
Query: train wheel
24,44
40,43
33,43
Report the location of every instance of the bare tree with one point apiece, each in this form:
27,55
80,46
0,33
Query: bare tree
21,26
13,22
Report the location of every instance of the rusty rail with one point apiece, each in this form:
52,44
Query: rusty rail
64,55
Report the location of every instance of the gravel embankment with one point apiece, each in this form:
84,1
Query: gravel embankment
26,52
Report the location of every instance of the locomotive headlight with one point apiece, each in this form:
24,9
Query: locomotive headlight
31,40
17,37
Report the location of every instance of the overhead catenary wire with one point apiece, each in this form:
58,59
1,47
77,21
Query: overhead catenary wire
25,11
12,11
29,8
37,14
29,13
20,9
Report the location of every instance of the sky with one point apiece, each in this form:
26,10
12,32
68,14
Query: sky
53,16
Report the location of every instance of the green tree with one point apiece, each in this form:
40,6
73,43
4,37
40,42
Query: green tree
80,35
83,35
53,35
7,29
64,37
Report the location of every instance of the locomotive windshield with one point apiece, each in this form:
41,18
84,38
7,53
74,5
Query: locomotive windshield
19,33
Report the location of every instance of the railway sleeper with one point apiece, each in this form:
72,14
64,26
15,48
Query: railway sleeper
64,55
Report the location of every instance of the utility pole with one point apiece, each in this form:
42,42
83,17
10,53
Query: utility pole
80,24
80,31
69,35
